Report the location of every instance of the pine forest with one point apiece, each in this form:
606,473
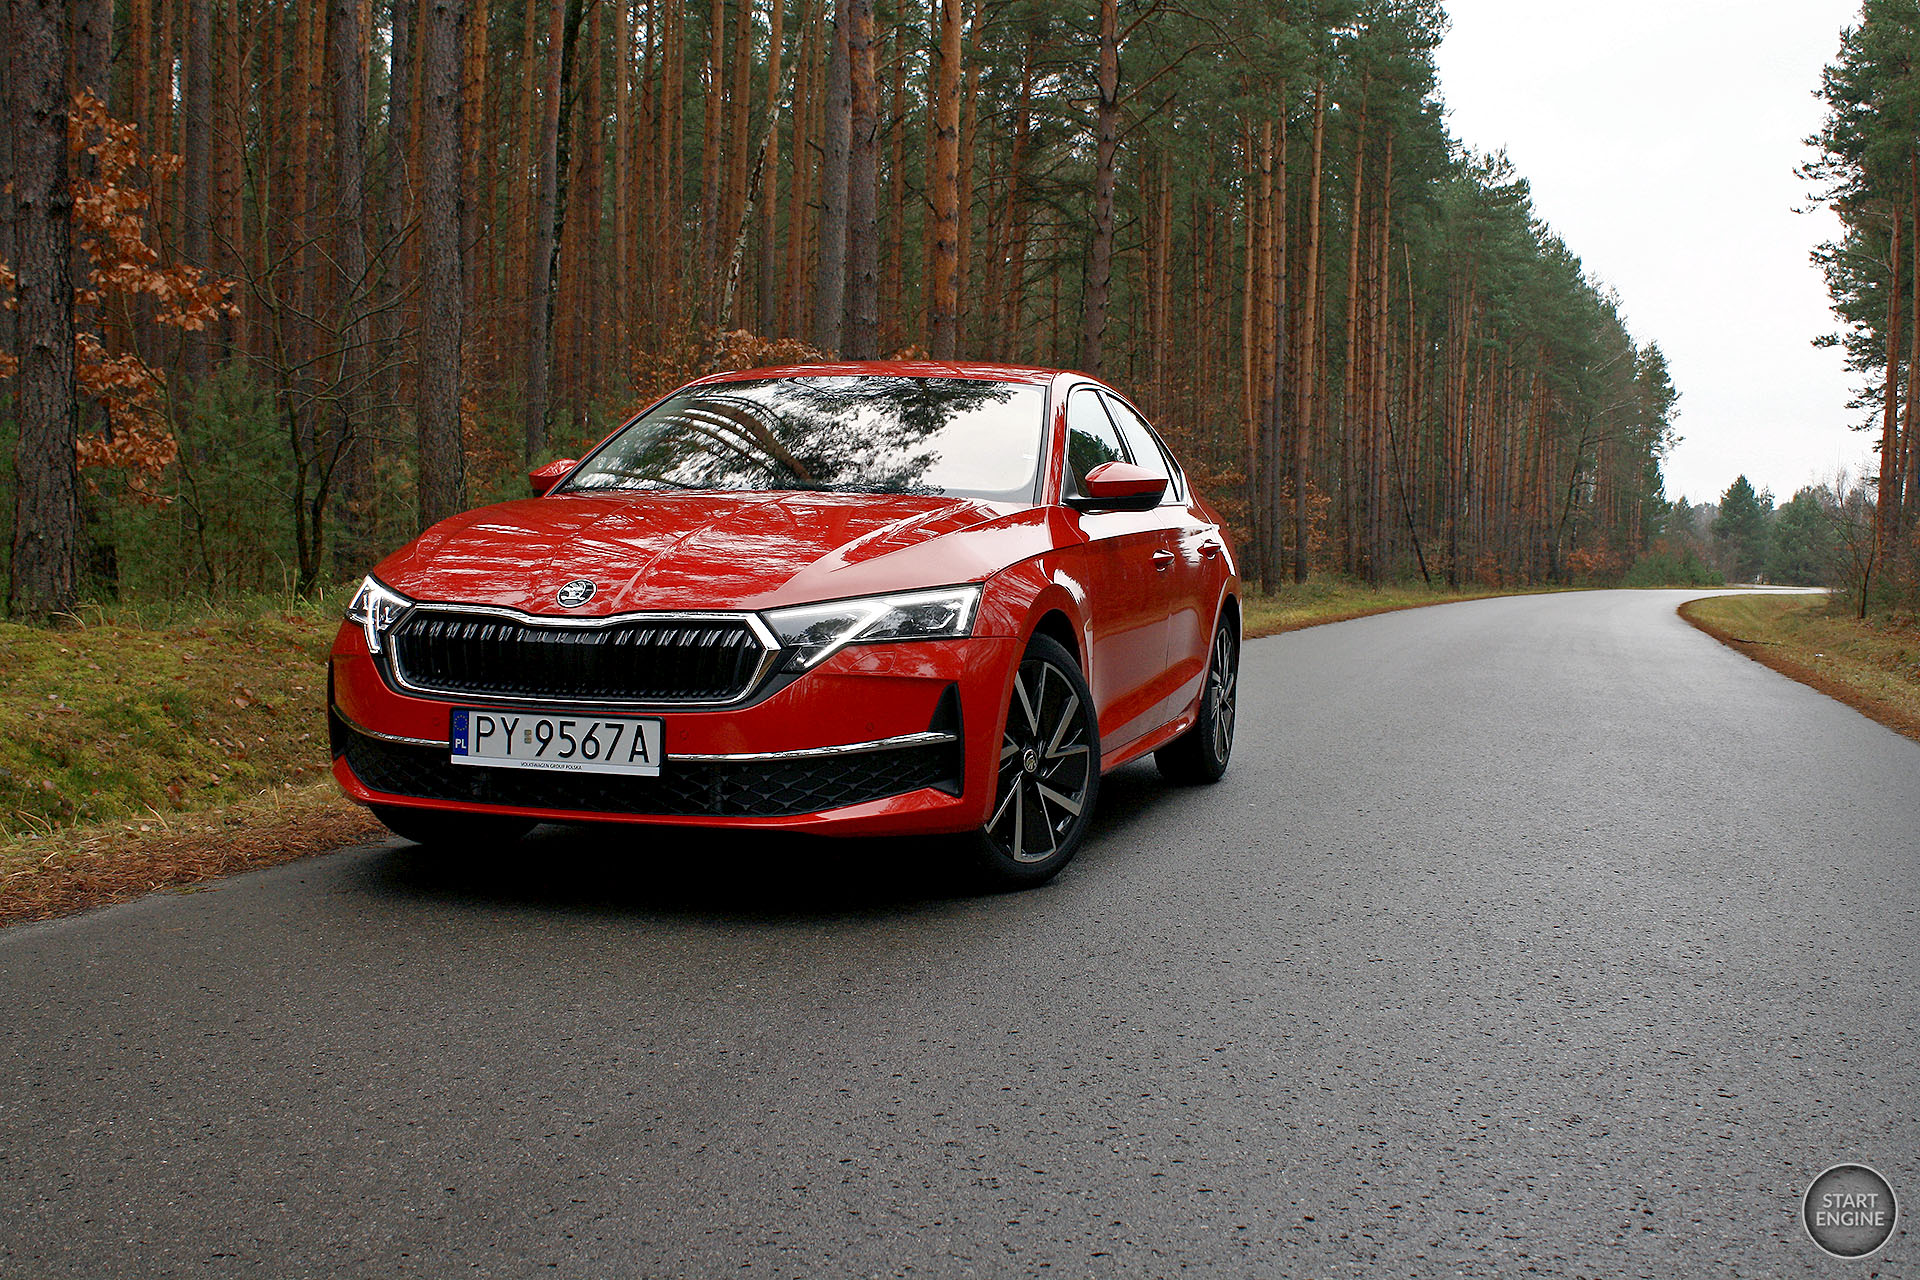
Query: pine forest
291,280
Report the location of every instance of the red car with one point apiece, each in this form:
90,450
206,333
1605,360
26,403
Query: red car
860,599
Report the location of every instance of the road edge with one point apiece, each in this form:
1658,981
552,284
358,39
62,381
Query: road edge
1874,709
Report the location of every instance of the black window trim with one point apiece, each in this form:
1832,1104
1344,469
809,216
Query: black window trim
1069,485
1177,485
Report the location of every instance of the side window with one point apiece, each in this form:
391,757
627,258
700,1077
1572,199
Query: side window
1091,439
1145,446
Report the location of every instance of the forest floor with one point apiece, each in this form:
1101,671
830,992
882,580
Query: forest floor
156,748
1873,666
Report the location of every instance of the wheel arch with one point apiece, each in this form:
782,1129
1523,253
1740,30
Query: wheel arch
1056,625
1230,608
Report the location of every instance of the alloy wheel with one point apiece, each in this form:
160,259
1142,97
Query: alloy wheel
1046,765
1223,678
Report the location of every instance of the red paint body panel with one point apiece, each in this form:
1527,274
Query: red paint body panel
1140,591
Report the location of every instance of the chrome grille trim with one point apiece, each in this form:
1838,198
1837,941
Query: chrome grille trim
396,671
929,738
402,739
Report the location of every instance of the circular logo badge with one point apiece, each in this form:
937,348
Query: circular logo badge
574,594
1849,1211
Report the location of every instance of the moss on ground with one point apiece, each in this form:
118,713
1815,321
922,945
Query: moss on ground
116,717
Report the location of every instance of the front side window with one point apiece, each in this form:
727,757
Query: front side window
955,437
1091,439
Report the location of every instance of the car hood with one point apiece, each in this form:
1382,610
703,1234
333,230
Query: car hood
645,551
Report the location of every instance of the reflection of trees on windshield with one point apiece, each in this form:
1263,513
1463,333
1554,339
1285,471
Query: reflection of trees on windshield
849,434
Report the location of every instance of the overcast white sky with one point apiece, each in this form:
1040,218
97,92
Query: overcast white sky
1660,137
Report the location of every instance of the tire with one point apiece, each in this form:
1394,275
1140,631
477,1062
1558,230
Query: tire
1049,775
445,832
1200,755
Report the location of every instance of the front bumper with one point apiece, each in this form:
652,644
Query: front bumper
925,715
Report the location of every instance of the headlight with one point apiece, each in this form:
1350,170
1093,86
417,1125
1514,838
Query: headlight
376,607
812,631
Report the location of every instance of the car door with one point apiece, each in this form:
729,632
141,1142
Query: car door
1192,582
1125,564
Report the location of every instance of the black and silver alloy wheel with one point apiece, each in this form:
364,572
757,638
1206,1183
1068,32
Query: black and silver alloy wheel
1223,674
1202,752
1049,769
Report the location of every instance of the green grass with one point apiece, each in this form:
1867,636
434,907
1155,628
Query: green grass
1872,665
163,708
1320,600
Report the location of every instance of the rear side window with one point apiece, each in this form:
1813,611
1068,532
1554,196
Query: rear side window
1148,453
1091,439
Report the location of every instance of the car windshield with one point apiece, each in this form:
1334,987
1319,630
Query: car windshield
958,437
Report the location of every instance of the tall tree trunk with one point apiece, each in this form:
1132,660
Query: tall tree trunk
46,504
91,24
348,70
1273,429
1003,268
800,204
442,462
769,301
1093,324
711,157
623,273
943,311
540,250
830,274
233,83
396,201
166,213
1018,214
1309,374
1352,390
473,98
11,124
740,118
197,132
863,187
672,125
587,294
963,197
1887,509
526,144
1910,485
196,172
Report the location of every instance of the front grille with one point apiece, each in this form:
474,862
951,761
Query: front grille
642,660
685,788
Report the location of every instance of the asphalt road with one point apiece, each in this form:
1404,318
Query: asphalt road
1527,936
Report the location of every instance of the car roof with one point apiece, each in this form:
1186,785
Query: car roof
895,368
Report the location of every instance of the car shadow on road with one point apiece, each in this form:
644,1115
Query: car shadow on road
707,873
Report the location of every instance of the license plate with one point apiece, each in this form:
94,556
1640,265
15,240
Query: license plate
570,744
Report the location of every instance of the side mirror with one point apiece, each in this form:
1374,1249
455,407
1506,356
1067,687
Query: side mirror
1120,486
544,478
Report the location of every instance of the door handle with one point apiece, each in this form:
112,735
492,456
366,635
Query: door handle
1162,560
1209,548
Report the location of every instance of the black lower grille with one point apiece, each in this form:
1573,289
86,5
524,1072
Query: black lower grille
685,788
641,660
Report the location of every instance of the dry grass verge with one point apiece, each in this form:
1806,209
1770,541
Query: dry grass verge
77,868
1872,666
